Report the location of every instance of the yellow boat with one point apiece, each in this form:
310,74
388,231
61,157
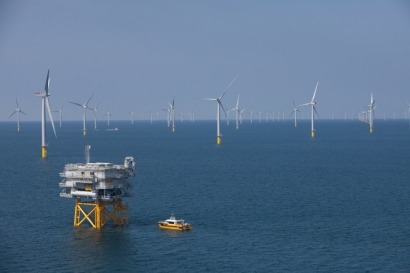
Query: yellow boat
174,224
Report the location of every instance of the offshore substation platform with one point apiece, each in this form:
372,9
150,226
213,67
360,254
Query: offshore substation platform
98,189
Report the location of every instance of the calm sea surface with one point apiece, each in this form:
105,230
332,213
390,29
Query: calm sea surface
269,199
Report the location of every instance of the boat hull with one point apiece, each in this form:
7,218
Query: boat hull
174,226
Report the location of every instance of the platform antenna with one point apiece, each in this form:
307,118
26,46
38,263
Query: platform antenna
87,153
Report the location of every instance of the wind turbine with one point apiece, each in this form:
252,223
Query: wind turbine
60,114
168,115
151,114
95,109
108,114
218,115
312,103
237,113
45,104
408,110
85,108
18,111
240,115
295,113
191,116
172,113
251,112
371,108
132,116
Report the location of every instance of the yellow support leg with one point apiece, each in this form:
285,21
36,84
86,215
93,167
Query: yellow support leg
313,133
218,140
43,151
97,213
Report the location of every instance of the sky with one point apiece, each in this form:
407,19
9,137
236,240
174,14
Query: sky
140,55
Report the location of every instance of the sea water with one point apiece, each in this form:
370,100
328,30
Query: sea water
268,199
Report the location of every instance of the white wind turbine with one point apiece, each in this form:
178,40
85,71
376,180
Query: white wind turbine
218,115
172,113
168,115
238,113
371,108
251,113
408,110
151,114
132,116
45,104
60,114
18,111
312,103
95,110
85,108
191,116
295,113
108,115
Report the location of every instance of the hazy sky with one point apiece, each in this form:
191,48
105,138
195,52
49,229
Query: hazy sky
138,55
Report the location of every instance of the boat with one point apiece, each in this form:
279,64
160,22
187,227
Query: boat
174,224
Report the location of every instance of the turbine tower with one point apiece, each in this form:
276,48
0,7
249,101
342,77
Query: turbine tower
218,115
18,111
312,103
45,104
85,108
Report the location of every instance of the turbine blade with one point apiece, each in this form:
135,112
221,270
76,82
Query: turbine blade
76,103
86,103
23,112
314,94
221,96
314,108
229,85
223,109
47,82
50,115
12,114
